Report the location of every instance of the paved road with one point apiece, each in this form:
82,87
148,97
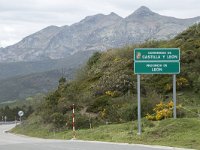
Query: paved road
15,142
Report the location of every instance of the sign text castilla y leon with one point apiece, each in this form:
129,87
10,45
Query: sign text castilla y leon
157,61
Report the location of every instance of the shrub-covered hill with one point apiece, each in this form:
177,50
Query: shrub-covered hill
105,89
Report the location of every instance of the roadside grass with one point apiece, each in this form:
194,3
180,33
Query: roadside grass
184,132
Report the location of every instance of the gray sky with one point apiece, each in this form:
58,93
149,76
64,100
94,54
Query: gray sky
20,18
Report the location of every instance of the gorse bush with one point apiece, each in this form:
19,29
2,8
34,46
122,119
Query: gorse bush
162,111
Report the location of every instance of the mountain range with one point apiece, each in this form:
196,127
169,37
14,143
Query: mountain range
23,79
98,32
46,53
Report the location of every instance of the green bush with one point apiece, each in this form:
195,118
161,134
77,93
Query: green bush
99,104
93,60
58,120
129,112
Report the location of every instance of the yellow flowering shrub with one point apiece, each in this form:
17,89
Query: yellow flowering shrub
168,87
117,59
180,83
150,117
109,93
162,111
103,113
112,93
170,104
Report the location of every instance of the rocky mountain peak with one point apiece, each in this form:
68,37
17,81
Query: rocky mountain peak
112,14
141,12
92,19
100,17
97,32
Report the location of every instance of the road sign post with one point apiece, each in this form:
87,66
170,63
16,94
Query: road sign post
20,113
174,95
156,61
139,104
73,122
5,118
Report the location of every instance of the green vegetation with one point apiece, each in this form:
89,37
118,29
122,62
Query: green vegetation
23,79
104,91
28,106
168,132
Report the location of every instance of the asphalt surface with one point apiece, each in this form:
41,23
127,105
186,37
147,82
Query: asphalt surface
10,141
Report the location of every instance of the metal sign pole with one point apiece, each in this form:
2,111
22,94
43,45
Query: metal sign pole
174,94
5,118
139,104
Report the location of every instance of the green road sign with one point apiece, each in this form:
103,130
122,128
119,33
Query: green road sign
157,67
157,61
157,54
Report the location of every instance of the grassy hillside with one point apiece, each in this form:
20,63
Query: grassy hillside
169,132
104,91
